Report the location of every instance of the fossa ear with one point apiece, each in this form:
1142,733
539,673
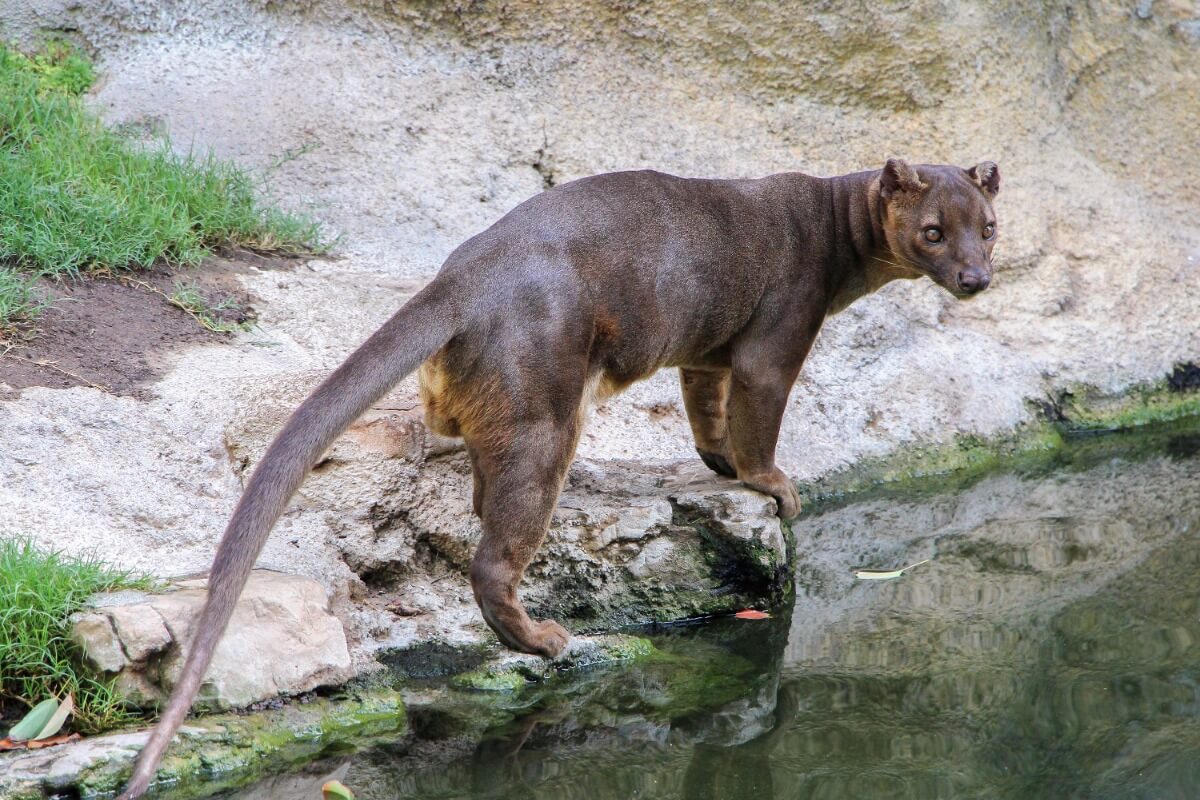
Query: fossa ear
986,176
899,178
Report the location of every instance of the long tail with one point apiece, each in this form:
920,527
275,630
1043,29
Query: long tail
413,334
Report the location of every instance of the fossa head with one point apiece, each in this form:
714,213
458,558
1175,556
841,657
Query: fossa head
938,221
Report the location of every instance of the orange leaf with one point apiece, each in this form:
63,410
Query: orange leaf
334,790
62,738
752,613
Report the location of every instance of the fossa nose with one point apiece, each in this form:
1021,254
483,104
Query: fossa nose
973,280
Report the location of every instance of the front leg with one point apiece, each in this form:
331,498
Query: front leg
705,395
757,399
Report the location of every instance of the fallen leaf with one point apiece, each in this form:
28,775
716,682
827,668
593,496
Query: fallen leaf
34,721
37,744
882,574
334,790
54,725
752,613
63,738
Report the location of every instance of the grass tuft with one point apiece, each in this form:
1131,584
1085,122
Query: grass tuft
77,197
39,590
18,300
210,315
57,68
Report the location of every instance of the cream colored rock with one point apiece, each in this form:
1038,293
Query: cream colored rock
282,640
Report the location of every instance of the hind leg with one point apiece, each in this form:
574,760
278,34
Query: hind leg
705,396
523,478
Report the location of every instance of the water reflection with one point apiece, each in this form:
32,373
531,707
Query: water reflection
1050,649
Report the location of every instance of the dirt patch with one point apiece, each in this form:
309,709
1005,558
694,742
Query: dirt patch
118,334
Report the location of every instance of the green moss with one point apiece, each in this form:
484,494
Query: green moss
627,648
789,564
671,602
936,467
515,677
1064,435
22,794
1085,408
230,750
486,680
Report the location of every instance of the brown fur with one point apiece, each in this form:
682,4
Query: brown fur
583,290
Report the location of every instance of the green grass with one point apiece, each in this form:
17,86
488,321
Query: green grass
17,296
77,197
39,590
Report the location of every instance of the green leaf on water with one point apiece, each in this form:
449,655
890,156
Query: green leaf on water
883,575
55,723
33,722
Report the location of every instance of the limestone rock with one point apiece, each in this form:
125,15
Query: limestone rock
282,640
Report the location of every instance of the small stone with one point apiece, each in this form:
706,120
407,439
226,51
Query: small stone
282,640
1188,30
93,633
140,629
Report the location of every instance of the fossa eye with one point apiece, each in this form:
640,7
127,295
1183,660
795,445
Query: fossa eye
933,234
989,231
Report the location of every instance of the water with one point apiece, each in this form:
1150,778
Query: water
1051,649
